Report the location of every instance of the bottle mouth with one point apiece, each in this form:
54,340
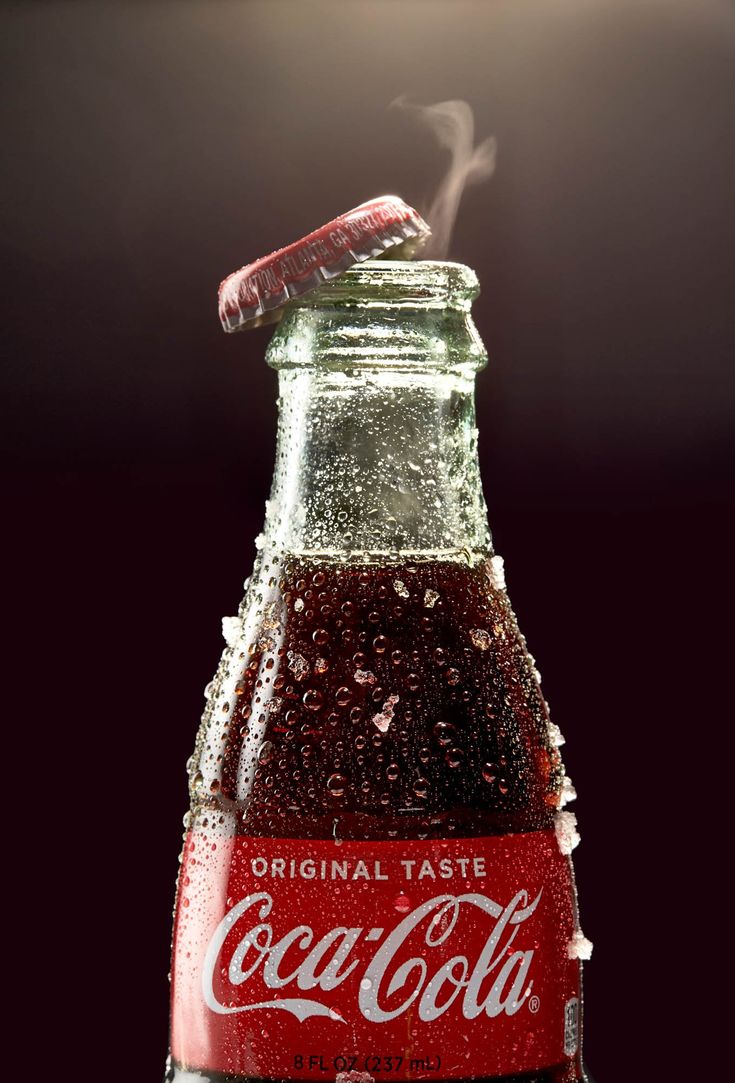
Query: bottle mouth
408,284
411,316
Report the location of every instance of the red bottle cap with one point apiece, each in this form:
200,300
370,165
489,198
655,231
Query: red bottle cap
258,292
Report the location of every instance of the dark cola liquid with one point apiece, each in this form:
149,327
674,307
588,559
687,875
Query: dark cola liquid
385,702
379,702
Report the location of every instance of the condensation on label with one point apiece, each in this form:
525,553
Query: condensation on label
413,959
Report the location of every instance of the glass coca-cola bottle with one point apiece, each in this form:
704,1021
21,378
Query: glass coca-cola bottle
376,881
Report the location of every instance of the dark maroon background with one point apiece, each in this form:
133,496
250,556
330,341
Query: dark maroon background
151,148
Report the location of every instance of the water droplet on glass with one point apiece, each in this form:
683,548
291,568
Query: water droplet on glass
312,699
265,752
444,732
336,784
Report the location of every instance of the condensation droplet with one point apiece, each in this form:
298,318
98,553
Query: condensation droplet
312,699
336,784
444,732
454,757
265,752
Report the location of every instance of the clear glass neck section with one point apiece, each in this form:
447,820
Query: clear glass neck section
377,444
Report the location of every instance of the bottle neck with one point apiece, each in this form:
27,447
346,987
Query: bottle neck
377,442
376,466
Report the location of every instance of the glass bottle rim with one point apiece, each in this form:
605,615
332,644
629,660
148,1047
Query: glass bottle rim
407,283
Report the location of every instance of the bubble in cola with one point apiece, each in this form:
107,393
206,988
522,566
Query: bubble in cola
376,879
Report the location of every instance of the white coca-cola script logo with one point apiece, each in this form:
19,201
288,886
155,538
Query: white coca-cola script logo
497,981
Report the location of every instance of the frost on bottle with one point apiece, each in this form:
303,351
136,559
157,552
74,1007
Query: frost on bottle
376,880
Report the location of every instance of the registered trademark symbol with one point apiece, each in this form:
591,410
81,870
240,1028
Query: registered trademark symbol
534,1004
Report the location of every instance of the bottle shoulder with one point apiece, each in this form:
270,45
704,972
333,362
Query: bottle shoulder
377,700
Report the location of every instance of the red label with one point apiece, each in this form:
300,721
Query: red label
302,959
